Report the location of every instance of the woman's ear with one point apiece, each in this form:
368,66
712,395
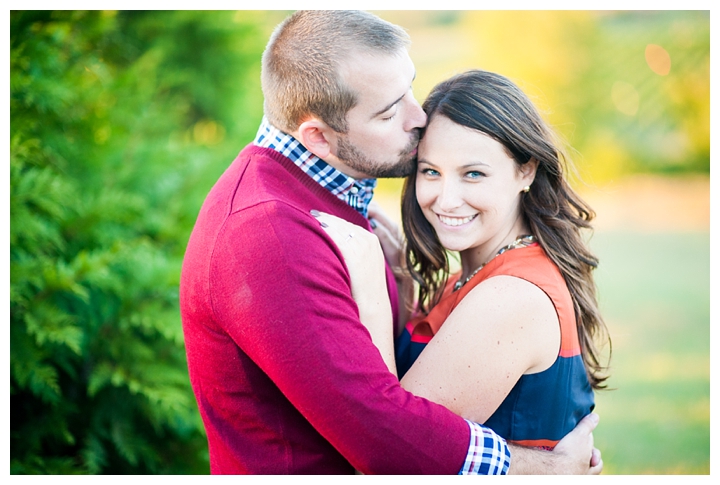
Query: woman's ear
316,136
528,171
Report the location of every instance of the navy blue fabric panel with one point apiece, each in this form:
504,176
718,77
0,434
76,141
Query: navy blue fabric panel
542,406
546,405
406,352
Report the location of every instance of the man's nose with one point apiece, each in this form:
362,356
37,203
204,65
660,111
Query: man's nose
417,117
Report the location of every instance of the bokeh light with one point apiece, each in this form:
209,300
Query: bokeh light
625,97
658,59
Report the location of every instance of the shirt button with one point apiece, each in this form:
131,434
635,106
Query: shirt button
354,190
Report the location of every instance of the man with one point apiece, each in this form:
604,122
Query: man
286,377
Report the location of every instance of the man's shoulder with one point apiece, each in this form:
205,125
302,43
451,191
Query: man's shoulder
257,175
265,176
263,201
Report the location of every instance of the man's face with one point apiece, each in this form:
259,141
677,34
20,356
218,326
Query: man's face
384,126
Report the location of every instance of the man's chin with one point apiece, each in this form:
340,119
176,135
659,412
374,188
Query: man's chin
400,169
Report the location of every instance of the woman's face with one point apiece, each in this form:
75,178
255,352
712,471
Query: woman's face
469,188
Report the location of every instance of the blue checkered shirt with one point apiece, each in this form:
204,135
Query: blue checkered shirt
357,193
488,454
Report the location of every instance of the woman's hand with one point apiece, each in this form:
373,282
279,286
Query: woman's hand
366,264
363,256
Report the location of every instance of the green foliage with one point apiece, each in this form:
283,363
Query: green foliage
120,123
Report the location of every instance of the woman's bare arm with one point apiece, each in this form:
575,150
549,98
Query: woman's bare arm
504,328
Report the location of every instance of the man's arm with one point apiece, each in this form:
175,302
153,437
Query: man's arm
284,297
573,455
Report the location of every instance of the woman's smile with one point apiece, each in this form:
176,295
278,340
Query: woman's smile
455,221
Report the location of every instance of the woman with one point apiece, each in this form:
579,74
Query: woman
509,340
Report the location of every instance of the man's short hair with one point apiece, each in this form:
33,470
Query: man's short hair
300,65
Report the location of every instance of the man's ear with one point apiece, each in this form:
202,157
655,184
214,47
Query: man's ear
316,136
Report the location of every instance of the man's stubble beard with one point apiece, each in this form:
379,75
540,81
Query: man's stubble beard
354,158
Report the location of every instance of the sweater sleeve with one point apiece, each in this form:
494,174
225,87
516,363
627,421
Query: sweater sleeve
280,289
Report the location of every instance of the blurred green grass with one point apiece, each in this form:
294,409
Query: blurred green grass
654,291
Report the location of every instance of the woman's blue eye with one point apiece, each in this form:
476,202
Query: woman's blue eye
429,171
475,174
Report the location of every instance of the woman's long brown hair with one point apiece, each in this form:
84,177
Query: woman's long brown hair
493,105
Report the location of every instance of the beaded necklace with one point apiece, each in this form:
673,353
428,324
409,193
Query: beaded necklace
521,242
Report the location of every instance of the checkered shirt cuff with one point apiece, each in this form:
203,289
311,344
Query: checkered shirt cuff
488,453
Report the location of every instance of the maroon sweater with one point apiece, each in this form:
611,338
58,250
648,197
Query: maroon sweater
286,377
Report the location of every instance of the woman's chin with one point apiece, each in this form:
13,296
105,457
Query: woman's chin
453,244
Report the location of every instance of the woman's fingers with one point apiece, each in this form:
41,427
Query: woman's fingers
362,254
350,238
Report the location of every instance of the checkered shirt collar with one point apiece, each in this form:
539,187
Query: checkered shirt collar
357,193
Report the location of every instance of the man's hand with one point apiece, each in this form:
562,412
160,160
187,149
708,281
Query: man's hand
577,452
573,455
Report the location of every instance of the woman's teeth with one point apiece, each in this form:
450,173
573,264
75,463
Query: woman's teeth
456,221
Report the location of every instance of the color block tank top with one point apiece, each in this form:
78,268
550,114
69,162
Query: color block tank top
542,407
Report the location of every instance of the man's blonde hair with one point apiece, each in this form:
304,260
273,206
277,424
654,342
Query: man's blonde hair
300,65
